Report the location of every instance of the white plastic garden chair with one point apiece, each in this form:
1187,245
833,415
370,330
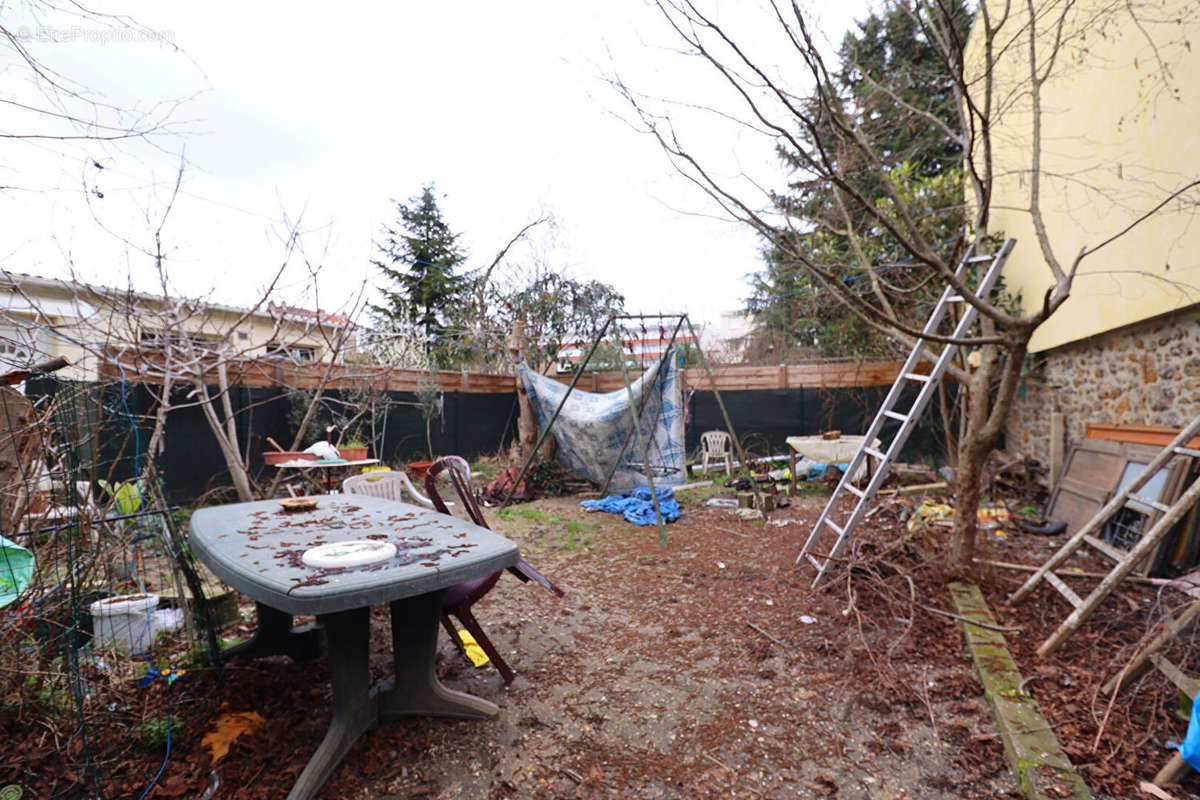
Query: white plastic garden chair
714,445
388,485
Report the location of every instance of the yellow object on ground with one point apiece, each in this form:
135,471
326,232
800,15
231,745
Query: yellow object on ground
227,728
376,468
472,649
993,513
990,517
929,510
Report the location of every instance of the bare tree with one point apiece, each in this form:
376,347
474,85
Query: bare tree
47,109
822,138
170,345
182,357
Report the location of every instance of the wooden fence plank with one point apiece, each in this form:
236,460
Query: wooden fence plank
268,372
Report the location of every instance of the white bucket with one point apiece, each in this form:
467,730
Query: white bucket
127,622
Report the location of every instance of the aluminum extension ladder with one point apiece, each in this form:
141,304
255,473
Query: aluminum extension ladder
908,420
1125,561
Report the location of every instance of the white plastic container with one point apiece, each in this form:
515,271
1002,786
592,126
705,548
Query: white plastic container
128,622
356,553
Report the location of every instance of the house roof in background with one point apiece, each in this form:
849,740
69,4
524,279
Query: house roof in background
15,288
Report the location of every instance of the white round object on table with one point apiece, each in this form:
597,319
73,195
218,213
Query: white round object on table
354,553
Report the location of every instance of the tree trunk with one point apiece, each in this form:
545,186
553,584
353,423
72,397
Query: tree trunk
160,415
984,426
527,431
550,449
967,494
227,405
233,460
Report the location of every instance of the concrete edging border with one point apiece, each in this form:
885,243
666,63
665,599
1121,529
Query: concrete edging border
1042,767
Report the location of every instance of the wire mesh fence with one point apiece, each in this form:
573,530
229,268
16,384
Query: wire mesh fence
98,593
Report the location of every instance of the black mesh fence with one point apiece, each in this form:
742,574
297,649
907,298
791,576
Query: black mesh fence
772,415
193,468
101,605
96,589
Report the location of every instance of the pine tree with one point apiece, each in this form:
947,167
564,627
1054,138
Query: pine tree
418,257
921,160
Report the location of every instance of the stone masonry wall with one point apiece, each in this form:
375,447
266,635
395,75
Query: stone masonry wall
1146,374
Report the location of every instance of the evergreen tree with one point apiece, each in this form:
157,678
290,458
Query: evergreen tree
922,160
418,257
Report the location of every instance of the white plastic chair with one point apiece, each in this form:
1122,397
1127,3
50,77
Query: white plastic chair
388,485
714,445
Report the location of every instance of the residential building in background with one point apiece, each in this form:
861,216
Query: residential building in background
43,318
723,342
1119,133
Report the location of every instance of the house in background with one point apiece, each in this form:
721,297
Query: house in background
640,351
43,318
724,341
1120,132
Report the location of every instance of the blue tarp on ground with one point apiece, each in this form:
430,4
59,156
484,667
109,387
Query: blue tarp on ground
592,428
637,507
1190,749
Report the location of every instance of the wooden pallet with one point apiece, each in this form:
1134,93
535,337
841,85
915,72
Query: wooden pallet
1126,561
1151,656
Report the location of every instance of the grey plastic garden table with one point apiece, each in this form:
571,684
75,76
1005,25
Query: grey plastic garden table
257,548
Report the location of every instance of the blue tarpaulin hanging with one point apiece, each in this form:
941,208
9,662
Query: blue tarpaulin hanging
637,507
592,427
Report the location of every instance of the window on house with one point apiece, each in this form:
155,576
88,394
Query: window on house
158,339
19,347
292,352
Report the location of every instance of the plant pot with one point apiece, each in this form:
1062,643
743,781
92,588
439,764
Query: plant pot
353,453
419,468
273,457
130,622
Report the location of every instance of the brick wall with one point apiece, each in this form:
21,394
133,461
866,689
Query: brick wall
1148,373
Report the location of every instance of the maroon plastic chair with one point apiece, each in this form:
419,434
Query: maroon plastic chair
458,599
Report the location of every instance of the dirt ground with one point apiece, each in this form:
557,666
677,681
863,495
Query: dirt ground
709,669
685,673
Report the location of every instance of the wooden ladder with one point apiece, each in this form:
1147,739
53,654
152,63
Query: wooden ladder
1126,562
907,419
1151,655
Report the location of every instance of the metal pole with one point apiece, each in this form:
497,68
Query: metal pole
642,316
725,415
557,411
661,362
637,429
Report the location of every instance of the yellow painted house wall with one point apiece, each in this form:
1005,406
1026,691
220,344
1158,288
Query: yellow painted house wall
1121,131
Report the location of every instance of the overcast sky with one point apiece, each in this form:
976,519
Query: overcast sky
326,112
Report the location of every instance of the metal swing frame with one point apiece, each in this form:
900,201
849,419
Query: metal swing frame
636,408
